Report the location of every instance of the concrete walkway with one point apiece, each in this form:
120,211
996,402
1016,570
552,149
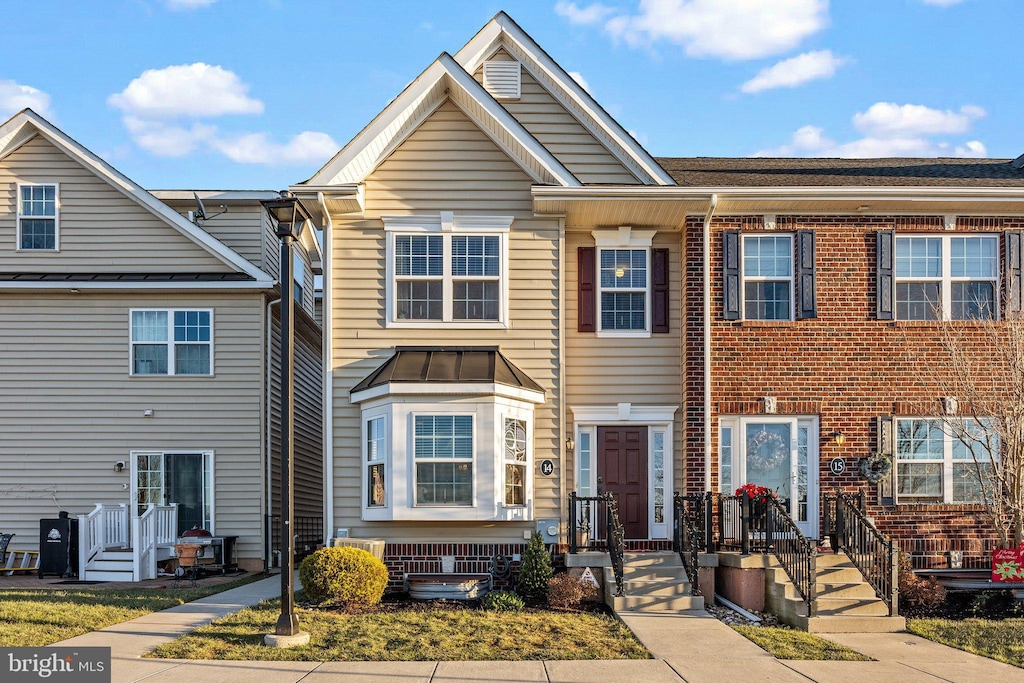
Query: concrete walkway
691,647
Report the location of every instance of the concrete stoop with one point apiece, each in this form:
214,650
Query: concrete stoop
652,582
846,603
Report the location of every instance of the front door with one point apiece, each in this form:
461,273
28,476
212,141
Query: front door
622,471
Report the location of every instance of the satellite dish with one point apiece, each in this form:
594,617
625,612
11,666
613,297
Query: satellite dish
200,213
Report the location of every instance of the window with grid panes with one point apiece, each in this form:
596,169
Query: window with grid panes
953,276
37,217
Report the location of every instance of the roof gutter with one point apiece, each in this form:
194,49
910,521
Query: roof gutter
818,193
706,257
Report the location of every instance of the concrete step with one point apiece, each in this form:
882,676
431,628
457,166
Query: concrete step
833,560
841,624
839,575
94,575
666,558
844,590
657,603
641,587
852,607
654,572
111,565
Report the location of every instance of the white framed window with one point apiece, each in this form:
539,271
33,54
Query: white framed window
955,276
767,277
447,271
377,455
934,465
171,342
38,221
624,289
298,276
182,477
516,451
443,448
657,447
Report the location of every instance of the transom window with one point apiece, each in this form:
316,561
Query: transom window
624,283
37,217
935,465
952,276
515,461
172,342
443,459
768,277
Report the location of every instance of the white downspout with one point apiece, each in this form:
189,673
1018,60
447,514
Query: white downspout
707,340
328,373
268,389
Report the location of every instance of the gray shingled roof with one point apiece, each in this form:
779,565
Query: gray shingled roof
772,172
446,365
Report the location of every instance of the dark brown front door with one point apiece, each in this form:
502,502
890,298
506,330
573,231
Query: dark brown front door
622,471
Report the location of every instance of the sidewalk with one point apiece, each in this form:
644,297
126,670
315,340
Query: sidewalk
692,647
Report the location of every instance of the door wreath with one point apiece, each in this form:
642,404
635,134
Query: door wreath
766,451
875,467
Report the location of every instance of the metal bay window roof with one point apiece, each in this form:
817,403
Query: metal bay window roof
448,365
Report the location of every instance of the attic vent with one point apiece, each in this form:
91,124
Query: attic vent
502,79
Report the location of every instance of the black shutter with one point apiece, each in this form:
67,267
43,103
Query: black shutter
586,311
806,291
885,443
731,274
659,290
1014,281
885,287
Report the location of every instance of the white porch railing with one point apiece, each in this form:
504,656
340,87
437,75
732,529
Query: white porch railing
113,526
157,527
105,527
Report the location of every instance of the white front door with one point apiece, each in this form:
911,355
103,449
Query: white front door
780,453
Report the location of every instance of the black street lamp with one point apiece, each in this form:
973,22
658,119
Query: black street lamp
291,219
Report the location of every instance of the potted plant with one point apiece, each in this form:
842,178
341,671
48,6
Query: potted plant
759,497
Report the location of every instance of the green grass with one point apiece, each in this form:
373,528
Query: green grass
31,618
414,635
784,643
1002,640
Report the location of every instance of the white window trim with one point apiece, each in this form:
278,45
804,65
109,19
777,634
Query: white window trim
207,454
170,341
447,224
739,465
411,434
946,280
625,237
56,219
298,277
744,278
946,462
367,417
527,465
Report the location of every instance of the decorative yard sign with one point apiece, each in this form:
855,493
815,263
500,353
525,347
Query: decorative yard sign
588,577
1008,564
547,467
837,466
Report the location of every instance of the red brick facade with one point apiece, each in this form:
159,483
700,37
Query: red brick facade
844,366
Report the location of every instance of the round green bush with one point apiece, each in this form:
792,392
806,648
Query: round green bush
343,576
502,601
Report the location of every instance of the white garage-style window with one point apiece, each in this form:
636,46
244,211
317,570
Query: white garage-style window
448,450
447,271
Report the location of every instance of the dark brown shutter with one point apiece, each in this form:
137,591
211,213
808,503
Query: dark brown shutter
885,287
806,290
586,312
731,274
659,290
1014,281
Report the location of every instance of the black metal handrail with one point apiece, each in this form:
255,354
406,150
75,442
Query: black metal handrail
691,533
872,552
594,524
797,554
616,540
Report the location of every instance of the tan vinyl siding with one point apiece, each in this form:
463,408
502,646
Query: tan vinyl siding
238,229
101,229
561,133
78,411
447,165
641,371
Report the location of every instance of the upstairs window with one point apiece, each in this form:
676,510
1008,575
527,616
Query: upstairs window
768,277
624,289
37,218
298,277
172,342
955,277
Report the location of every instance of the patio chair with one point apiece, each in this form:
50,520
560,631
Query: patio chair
188,561
5,540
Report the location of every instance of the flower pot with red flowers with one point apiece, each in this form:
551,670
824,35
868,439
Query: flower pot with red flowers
759,497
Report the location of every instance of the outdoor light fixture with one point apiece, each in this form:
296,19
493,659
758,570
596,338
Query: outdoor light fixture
291,218
570,445
838,438
119,466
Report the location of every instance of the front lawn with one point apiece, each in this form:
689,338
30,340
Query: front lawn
784,643
1002,640
31,618
424,633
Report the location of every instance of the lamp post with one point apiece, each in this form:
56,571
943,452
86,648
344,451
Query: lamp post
291,219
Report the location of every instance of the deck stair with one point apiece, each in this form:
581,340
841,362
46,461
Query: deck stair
652,582
110,565
845,602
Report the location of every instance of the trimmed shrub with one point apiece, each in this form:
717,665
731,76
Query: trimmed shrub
535,570
917,592
567,592
502,601
344,577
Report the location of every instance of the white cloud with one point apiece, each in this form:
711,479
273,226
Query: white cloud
186,90
591,14
891,119
726,29
790,73
258,148
578,77
167,140
890,131
177,5
14,97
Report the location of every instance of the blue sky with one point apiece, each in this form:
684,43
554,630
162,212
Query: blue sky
257,94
